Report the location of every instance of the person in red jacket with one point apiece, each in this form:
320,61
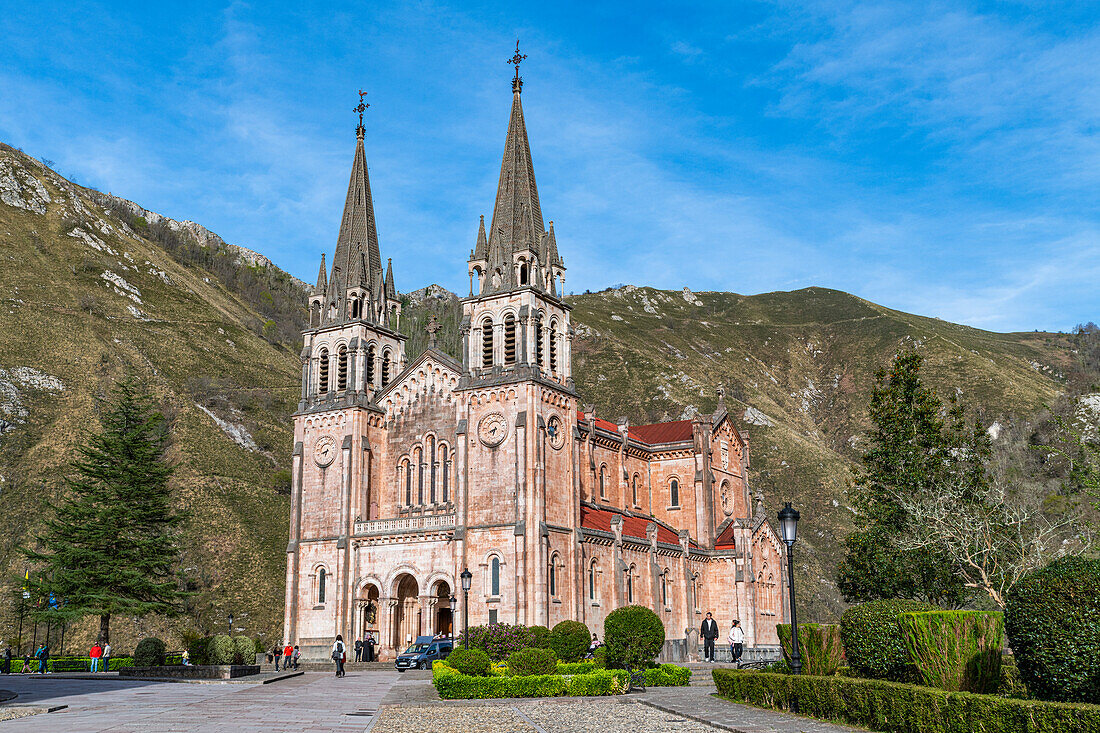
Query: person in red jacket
288,654
95,654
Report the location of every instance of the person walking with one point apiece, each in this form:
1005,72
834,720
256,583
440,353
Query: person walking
297,655
288,653
737,642
276,654
359,650
368,647
26,664
8,654
105,660
43,659
709,632
339,654
96,653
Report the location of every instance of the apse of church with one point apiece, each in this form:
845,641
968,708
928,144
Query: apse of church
406,471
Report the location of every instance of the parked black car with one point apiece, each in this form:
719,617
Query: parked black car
424,651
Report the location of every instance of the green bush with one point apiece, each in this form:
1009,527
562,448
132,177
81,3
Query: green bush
258,648
532,661
599,682
149,652
668,675
872,640
75,664
955,650
453,685
542,637
633,636
471,662
599,657
539,685
819,647
221,650
244,650
899,707
198,651
1011,684
576,667
1052,618
570,640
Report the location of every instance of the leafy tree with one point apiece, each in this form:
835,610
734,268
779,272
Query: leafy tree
915,446
111,546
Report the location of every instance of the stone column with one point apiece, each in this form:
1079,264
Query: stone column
290,623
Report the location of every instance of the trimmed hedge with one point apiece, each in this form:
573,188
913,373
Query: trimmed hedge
896,707
568,668
873,642
73,664
149,652
244,650
470,662
667,675
221,650
819,647
570,640
1052,617
453,685
633,636
955,650
533,661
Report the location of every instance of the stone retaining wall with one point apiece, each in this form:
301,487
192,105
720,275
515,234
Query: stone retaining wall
193,671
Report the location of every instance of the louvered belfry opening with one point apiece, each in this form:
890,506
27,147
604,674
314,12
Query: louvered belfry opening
538,344
509,339
342,369
385,368
322,372
487,343
553,348
370,365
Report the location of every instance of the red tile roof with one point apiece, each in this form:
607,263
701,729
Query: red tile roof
661,432
725,540
600,519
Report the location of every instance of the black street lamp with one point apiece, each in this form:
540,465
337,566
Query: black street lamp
231,623
467,581
788,526
454,604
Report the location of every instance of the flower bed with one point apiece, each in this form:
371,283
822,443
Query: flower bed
894,706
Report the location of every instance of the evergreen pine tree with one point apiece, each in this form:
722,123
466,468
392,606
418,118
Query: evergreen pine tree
111,546
915,446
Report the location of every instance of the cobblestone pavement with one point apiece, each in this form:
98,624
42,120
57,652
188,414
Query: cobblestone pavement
698,702
311,702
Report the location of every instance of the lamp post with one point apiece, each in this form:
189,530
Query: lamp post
788,526
454,605
467,581
231,623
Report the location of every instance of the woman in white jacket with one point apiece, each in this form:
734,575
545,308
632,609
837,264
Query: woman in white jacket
737,641
339,654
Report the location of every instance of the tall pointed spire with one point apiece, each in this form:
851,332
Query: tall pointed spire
322,278
481,251
391,289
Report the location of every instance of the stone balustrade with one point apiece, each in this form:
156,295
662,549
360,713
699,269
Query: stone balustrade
405,524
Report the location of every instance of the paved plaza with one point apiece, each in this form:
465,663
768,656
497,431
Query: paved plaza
376,701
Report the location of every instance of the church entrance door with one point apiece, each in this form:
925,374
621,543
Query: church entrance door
406,617
442,598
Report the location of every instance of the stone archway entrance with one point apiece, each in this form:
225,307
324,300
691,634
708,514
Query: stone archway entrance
406,617
442,623
368,615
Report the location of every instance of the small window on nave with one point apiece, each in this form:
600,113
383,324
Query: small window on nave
321,577
674,492
495,576
603,481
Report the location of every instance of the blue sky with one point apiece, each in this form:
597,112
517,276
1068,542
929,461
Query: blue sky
937,158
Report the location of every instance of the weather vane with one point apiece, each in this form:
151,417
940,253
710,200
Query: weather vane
361,108
517,83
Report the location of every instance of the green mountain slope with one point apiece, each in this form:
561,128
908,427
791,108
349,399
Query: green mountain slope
93,286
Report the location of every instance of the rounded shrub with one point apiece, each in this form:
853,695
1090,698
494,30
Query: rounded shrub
149,652
542,637
244,650
221,650
198,650
633,636
531,661
472,662
570,640
599,657
1052,617
873,643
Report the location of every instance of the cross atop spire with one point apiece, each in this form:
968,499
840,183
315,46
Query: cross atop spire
361,108
517,83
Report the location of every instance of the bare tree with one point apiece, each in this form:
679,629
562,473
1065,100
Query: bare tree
991,534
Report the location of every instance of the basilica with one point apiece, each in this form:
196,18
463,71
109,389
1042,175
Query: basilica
408,470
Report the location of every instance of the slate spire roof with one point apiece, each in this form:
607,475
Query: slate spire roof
322,278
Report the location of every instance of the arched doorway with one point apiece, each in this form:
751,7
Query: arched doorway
442,621
406,617
368,606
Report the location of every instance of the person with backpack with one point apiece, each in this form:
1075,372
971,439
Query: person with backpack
339,654
43,656
297,655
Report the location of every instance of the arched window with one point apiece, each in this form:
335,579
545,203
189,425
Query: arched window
321,574
592,581
538,343
322,373
370,365
630,584
385,367
433,466
495,576
664,588
553,347
315,314
475,281
408,482
487,343
418,456
342,368
522,273
603,481
509,339
674,492
353,304
446,472
634,489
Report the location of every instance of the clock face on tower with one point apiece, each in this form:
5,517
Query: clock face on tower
324,450
492,429
556,432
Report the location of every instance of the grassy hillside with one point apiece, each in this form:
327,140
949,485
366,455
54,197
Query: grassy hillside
93,286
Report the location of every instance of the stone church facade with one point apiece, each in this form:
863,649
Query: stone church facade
408,470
